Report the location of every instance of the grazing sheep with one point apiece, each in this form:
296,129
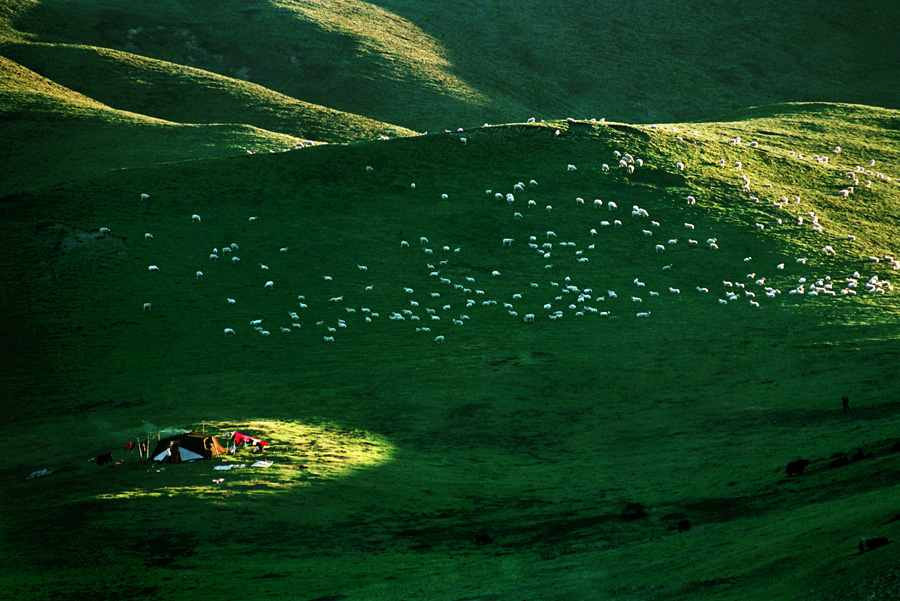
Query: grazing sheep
199,274
148,306
439,339
148,236
229,332
104,231
270,284
195,218
507,242
153,268
680,166
571,167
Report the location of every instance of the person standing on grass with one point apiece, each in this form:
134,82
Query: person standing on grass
845,402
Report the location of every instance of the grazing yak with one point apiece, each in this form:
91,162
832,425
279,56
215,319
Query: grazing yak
795,468
867,544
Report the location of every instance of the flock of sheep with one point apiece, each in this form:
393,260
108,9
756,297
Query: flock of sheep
546,276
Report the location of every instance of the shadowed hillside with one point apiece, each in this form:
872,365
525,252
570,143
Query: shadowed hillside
423,66
468,396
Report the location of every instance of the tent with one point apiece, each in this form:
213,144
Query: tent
189,446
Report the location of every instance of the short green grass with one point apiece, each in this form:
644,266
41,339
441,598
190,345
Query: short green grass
502,463
424,67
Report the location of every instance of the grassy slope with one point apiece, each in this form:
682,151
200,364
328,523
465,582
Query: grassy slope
69,135
536,435
421,66
189,95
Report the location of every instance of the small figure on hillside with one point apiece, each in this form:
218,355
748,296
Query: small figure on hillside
845,402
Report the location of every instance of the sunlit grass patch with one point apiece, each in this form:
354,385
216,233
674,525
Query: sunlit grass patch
300,454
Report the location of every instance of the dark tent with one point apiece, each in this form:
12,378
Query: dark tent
187,447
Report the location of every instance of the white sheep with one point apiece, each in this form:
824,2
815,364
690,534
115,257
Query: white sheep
439,339
153,268
571,167
148,306
104,231
270,284
145,197
148,236
660,248
680,166
229,332
508,241
199,274
195,218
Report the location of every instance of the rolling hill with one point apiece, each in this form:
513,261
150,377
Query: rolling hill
424,67
441,445
557,359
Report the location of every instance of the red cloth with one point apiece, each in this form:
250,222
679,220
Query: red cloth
244,439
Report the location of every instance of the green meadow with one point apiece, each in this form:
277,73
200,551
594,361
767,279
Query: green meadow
466,395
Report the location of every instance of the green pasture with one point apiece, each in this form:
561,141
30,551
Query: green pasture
548,460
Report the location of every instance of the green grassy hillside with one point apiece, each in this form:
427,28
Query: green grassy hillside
188,95
425,67
508,459
52,134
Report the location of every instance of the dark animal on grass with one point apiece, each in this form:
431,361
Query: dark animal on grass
795,468
859,455
867,544
839,462
104,459
684,525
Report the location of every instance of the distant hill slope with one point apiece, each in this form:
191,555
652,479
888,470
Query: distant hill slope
51,134
424,66
189,95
